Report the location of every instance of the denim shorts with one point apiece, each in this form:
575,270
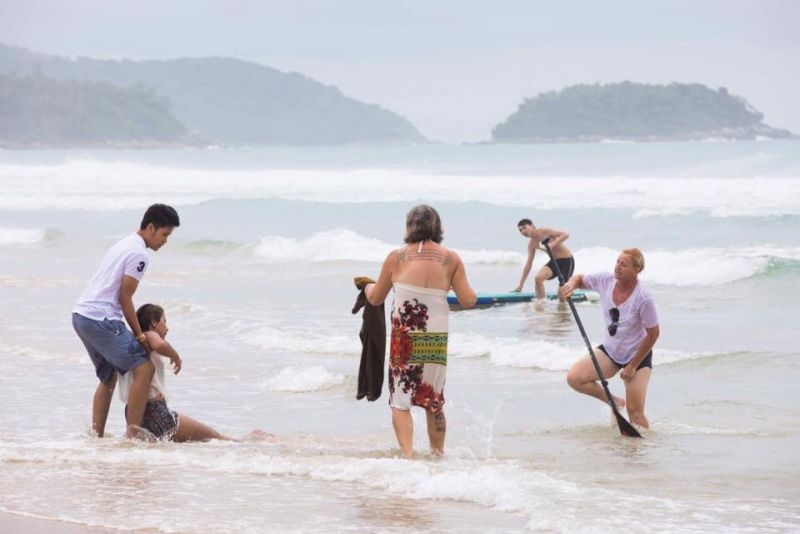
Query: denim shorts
110,345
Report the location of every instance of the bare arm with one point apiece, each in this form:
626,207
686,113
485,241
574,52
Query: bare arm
557,237
647,345
528,264
163,348
464,292
126,291
575,282
377,292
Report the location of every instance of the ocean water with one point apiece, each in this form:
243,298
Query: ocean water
257,284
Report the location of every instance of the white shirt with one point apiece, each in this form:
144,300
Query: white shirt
636,314
100,299
158,385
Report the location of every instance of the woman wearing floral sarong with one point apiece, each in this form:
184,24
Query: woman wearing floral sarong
422,272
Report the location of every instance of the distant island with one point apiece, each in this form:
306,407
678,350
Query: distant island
634,112
51,101
221,101
39,111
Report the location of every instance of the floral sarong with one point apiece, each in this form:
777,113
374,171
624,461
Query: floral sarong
418,349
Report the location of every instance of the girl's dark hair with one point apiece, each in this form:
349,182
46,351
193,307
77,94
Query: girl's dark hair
149,314
423,224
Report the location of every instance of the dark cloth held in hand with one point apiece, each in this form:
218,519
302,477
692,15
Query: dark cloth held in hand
373,344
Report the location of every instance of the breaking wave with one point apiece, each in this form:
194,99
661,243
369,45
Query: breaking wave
73,186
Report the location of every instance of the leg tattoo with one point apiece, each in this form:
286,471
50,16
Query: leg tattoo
440,422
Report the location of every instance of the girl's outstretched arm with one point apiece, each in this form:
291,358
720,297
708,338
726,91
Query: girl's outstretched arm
162,347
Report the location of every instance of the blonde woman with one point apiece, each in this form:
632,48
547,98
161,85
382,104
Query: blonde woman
631,319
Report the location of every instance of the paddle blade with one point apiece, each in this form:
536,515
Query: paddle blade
625,428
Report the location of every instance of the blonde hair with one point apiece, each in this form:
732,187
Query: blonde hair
637,257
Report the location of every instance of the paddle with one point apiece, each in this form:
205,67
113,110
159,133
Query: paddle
625,428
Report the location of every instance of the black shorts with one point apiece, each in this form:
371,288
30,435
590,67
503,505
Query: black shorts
647,362
567,266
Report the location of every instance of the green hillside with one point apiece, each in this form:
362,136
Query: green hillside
35,110
631,111
229,101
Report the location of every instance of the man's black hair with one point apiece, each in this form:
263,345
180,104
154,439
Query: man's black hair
160,215
523,222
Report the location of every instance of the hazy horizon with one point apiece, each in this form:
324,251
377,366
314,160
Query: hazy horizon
454,69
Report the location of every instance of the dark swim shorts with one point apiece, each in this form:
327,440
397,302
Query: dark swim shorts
158,419
647,362
567,266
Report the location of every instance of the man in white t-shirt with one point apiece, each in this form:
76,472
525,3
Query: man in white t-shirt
631,318
98,317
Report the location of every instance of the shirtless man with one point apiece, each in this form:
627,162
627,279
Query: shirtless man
562,254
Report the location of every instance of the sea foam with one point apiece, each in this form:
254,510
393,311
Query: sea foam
547,502
709,266
21,236
303,379
332,245
345,245
545,355
73,185
271,338
499,351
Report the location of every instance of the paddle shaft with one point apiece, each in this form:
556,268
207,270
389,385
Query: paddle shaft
625,427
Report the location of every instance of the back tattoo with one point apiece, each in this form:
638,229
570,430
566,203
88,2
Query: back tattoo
440,256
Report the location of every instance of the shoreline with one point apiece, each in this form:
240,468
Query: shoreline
13,522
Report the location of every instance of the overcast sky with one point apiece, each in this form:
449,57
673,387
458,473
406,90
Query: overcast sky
454,68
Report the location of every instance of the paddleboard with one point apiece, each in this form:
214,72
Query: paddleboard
486,300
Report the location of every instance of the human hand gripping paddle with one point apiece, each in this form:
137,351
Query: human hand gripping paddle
625,428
